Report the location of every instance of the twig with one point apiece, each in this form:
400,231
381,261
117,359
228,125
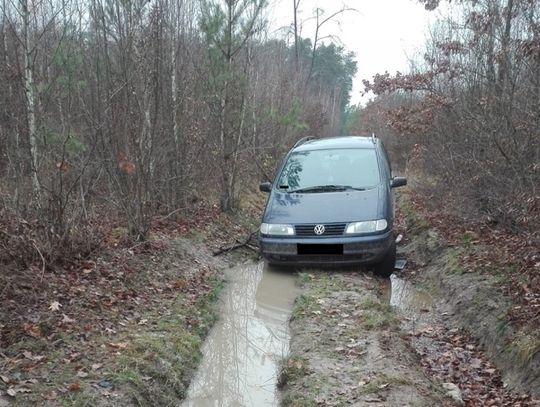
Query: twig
170,214
42,260
8,284
246,243
141,243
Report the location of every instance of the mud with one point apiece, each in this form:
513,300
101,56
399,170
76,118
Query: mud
243,350
413,303
356,339
347,340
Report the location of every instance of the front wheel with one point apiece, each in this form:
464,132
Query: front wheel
385,267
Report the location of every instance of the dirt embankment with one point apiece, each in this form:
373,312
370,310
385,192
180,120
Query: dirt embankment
126,332
476,299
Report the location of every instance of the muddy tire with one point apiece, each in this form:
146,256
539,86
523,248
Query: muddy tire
385,268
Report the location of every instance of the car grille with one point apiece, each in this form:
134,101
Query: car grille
333,229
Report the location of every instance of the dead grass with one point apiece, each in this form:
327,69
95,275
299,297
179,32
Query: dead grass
377,315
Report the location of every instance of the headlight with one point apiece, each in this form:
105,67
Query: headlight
369,226
276,229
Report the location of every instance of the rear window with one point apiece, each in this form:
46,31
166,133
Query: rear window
357,168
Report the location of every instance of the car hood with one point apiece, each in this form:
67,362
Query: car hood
326,207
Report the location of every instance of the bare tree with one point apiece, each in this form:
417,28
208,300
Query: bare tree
472,107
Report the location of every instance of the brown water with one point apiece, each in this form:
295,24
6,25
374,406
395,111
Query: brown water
414,304
406,297
242,352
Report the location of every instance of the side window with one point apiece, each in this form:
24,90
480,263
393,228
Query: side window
387,166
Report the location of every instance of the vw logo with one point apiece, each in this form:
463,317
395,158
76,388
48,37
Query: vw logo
319,229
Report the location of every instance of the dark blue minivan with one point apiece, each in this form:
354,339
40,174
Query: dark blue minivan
332,204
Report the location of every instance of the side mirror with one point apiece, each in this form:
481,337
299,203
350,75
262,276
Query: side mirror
265,186
398,182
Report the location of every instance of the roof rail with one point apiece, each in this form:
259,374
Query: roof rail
303,140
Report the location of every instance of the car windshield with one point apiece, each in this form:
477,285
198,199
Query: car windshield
330,170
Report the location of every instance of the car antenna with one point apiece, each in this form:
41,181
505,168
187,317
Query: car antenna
373,137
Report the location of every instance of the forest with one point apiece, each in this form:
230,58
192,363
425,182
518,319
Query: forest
133,134
129,109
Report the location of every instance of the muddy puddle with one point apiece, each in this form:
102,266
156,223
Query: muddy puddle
412,303
243,350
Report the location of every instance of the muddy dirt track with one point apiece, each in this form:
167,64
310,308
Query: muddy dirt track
327,338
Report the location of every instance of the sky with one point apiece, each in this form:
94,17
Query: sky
384,34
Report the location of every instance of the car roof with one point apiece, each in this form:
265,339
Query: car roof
337,142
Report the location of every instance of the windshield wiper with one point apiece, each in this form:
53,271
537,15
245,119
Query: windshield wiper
326,188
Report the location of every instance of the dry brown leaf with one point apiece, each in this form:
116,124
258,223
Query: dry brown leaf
55,306
74,387
119,345
32,330
67,320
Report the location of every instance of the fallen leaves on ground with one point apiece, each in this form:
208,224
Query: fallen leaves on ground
99,295
514,254
451,356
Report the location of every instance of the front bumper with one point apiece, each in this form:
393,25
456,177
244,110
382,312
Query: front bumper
357,250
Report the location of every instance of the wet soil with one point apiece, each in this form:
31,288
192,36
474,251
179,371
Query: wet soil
347,347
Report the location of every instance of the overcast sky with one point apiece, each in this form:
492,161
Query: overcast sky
384,34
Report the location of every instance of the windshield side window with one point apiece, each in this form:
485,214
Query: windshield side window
355,167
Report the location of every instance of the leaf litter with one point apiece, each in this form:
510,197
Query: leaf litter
83,302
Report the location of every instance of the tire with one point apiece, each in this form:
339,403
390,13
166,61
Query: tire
385,268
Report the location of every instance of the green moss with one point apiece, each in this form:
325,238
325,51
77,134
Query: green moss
415,222
453,260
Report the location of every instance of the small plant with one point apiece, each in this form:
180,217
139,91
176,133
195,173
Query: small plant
291,369
381,382
304,304
378,315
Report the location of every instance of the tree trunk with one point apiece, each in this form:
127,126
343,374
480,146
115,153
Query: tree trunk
29,93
